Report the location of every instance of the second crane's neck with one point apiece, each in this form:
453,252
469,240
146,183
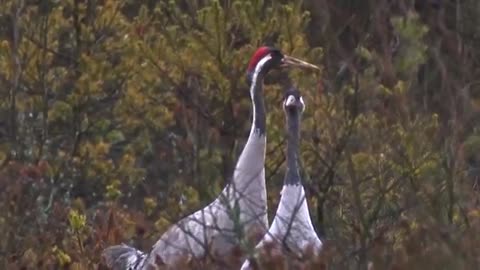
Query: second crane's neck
292,176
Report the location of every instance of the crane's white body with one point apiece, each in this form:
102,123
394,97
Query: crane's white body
216,229
240,210
238,213
291,227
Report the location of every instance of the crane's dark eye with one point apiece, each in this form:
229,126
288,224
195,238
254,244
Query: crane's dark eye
275,53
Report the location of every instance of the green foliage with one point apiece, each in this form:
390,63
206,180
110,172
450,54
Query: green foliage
411,32
77,221
117,118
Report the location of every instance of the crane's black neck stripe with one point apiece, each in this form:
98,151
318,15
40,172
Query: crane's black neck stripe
256,94
292,175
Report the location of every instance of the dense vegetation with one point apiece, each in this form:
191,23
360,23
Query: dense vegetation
119,117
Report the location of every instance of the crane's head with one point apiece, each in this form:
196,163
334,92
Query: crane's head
293,101
267,58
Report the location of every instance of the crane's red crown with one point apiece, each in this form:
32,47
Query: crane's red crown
257,56
276,60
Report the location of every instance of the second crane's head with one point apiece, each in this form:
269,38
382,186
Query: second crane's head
267,58
293,102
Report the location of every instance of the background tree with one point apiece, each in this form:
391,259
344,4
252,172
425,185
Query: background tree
119,117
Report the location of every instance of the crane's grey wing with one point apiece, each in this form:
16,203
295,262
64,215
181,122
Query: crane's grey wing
122,257
190,237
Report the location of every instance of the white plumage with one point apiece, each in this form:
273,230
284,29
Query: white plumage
292,227
240,208
238,212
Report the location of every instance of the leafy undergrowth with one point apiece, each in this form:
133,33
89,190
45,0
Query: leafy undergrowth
117,118
72,236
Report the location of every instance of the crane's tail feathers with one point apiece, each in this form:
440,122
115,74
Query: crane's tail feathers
123,257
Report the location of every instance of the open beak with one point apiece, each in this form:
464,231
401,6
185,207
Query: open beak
289,61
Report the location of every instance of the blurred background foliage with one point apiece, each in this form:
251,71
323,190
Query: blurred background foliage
119,117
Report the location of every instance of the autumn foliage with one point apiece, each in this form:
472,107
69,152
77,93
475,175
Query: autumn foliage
117,118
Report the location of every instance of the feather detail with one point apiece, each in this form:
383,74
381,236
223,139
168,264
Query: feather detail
122,257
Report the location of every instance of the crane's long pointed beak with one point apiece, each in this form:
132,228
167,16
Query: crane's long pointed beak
292,61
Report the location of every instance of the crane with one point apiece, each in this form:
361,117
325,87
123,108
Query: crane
241,208
292,227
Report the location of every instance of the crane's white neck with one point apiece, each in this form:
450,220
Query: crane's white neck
249,175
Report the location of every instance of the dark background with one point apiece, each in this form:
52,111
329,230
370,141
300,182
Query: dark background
118,118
